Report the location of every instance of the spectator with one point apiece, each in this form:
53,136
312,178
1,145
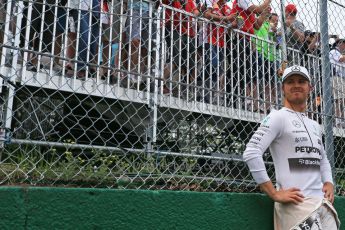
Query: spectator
181,38
243,55
202,40
267,58
32,42
69,14
138,36
337,59
118,25
66,21
311,43
39,21
105,37
268,32
87,16
217,11
294,33
11,18
332,39
311,51
60,29
71,44
117,10
247,10
310,46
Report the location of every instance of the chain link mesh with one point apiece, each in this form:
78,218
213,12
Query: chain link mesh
155,95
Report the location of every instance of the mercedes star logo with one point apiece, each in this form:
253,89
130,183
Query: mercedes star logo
295,68
296,124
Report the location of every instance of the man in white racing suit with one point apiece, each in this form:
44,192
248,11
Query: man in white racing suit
304,190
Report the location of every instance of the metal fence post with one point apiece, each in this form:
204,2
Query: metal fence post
153,102
327,84
9,93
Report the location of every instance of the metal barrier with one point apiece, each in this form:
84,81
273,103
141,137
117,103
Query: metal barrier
135,94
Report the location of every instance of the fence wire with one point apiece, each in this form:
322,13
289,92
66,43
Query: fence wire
165,94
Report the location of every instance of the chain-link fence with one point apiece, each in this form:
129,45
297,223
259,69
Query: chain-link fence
158,95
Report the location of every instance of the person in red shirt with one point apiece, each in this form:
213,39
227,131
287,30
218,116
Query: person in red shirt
247,11
218,12
243,74
180,36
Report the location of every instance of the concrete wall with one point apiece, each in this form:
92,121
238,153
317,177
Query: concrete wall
72,208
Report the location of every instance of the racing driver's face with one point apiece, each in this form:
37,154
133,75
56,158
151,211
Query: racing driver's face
296,89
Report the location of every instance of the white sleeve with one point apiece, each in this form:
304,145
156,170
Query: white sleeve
299,25
271,127
334,55
325,167
244,4
209,3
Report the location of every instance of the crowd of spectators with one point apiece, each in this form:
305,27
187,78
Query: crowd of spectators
234,48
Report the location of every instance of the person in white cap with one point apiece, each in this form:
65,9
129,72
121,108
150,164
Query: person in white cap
304,190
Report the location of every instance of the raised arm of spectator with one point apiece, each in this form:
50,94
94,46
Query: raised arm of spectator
335,56
256,9
194,7
209,15
196,12
341,58
297,29
262,18
298,34
313,44
215,17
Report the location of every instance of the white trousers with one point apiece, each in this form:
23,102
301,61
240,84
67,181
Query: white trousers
322,219
311,214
